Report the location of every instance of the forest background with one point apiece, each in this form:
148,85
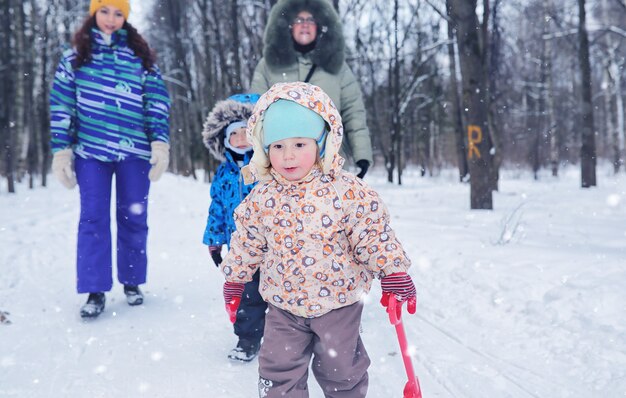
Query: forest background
472,84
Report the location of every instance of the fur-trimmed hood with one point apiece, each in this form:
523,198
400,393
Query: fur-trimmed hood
309,96
223,113
328,53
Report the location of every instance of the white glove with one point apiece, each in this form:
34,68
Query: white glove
159,160
63,169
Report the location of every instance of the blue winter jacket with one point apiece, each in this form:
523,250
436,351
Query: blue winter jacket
111,108
227,192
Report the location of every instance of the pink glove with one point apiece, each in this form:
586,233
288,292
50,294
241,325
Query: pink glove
401,286
232,297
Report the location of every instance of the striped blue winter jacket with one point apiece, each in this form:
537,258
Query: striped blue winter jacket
227,192
111,108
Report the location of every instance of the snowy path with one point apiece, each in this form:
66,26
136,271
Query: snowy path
526,301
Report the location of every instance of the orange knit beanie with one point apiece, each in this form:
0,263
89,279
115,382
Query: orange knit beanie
123,5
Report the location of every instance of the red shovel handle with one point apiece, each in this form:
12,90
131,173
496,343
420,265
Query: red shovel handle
394,309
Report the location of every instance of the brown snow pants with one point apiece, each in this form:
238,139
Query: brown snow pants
340,361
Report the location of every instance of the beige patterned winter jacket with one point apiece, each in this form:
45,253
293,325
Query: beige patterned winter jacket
319,241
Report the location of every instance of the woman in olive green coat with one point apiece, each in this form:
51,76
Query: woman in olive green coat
304,42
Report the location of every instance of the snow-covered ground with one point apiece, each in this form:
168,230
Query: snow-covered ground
528,300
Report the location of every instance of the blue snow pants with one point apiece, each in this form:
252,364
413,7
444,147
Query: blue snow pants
250,321
94,257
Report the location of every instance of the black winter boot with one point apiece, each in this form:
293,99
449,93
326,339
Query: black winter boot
94,305
245,351
133,295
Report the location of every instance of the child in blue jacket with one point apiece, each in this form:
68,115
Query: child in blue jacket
224,135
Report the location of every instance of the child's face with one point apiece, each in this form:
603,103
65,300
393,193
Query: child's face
238,138
293,158
109,19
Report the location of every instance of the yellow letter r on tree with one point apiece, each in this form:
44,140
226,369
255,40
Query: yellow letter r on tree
474,136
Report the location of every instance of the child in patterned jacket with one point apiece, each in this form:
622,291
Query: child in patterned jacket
319,236
224,134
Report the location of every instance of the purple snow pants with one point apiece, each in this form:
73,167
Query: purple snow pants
94,258
340,361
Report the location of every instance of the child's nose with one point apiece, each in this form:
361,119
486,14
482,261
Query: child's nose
289,153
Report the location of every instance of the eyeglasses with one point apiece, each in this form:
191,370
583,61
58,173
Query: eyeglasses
304,21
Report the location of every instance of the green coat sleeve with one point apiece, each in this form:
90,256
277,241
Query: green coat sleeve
260,78
353,116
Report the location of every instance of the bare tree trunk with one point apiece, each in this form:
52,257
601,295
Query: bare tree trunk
456,102
433,147
256,19
6,86
543,129
217,33
67,21
479,143
377,119
185,120
492,64
616,73
588,144
31,146
44,110
553,132
16,114
613,79
390,159
611,130
397,136
531,127
235,45
20,134
208,83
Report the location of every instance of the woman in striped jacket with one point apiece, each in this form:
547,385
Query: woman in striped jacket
109,116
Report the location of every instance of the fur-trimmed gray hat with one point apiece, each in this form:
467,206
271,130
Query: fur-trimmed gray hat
329,48
223,113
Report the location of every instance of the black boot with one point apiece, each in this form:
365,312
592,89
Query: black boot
94,305
245,351
133,295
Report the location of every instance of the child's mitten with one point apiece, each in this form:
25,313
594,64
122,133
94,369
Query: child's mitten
401,286
216,254
232,297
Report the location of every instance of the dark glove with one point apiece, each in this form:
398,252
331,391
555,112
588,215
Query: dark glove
401,286
216,254
363,165
232,297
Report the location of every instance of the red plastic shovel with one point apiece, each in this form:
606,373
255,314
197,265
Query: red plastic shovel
412,387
